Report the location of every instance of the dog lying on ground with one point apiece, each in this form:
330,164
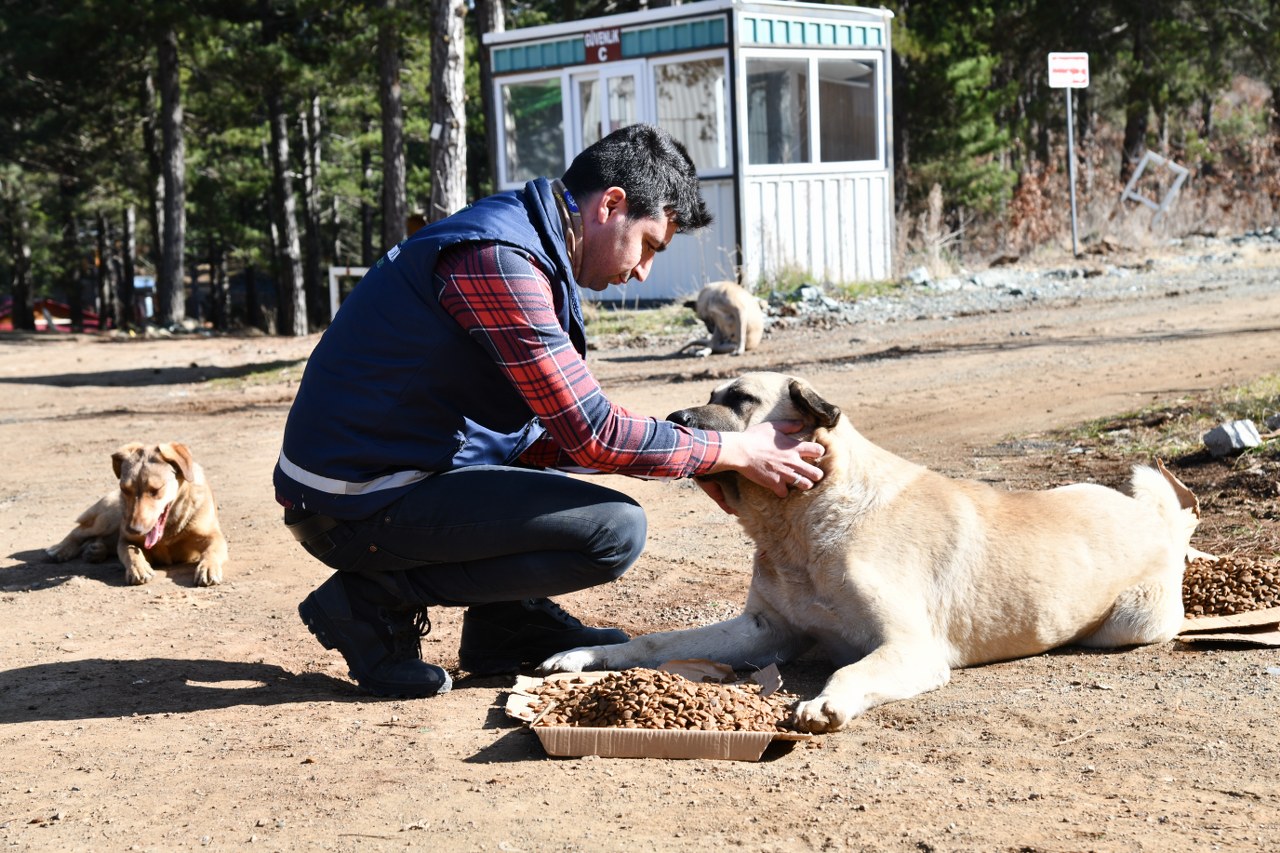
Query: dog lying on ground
163,513
901,574
732,316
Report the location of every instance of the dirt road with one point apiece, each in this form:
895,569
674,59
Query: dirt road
170,717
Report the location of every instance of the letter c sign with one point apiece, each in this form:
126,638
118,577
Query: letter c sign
603,45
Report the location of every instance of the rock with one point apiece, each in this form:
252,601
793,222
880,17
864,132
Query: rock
1273,422
919,275
1231,438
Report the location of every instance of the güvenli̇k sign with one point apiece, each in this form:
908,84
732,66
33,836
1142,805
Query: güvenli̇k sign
1070,71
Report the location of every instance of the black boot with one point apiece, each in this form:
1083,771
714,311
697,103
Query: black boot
378,633
500,638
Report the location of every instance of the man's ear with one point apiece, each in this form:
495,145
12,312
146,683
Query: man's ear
612,201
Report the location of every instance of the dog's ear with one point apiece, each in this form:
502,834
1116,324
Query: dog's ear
117,458
813,407
177,455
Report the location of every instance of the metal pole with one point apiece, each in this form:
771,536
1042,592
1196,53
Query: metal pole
1071,172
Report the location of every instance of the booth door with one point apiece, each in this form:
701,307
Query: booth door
604,99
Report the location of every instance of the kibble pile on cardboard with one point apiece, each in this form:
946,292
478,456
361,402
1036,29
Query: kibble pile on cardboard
654,699
1229,585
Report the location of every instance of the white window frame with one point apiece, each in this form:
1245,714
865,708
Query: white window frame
815,165
505,181
727,131
646,105
604,71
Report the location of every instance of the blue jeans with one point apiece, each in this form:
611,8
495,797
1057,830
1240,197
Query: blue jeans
490,533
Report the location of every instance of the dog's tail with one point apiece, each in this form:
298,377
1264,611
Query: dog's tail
1166,494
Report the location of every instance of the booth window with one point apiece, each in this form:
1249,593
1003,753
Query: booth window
847,110
534,125
589,105
778,111
619,107
692,105
779,101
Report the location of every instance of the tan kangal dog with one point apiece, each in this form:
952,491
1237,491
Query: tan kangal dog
901,574
732,316
162,514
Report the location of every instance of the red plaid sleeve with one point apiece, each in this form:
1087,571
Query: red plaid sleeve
502,298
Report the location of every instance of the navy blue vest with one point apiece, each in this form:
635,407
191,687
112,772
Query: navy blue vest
396,390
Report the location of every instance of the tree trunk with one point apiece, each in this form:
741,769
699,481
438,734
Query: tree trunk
129,316
170,289
901,134
1137,103
1273,183
197,297
72,285
1085,115
491,17
317,303
24,317
367,211
291,301
394,202
220,294
153,191
252,301
448,115
107,288
336,226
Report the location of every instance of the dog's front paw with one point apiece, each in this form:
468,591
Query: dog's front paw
820,714
574,660
138,573
208,573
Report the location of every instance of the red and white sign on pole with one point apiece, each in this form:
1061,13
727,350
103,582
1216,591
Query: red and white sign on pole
1068,71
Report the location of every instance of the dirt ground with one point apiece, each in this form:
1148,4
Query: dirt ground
167,716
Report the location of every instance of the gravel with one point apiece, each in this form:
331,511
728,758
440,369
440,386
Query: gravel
1001,289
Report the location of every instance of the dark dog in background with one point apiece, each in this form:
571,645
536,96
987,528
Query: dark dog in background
163,513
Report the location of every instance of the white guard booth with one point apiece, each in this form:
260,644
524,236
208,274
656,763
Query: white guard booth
784,107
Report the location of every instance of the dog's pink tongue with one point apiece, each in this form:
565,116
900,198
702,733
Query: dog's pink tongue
154,534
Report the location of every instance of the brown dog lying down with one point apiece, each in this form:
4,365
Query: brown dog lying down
901,574
731,315
162,514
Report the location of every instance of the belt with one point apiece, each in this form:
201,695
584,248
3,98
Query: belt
310,529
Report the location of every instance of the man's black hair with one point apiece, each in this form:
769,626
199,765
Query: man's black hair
654,169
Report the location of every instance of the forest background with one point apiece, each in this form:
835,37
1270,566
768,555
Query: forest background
235,149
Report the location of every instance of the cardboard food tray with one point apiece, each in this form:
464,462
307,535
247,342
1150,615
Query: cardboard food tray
577,741
1255,628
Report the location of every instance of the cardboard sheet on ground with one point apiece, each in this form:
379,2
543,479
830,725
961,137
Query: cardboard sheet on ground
576,741
1256,628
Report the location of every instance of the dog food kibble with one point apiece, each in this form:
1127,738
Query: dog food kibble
653,699
1230,585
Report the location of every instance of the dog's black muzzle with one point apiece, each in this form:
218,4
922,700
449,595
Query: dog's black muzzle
712,416
684,417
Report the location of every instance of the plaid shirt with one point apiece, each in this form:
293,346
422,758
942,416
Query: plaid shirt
502,299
